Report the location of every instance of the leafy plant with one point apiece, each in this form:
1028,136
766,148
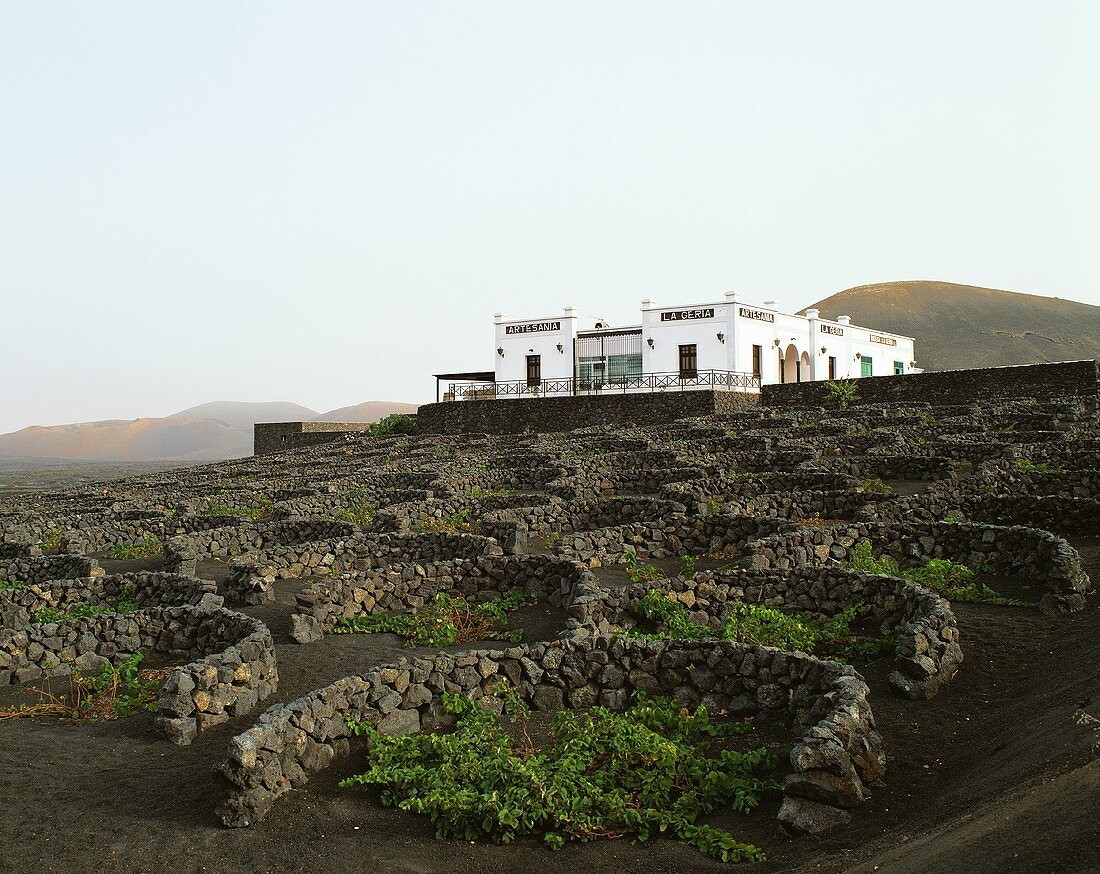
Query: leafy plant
953,580
11,584
362,512
447,621
51,539
687,563
842,393
1040,467
395,423
644,772
260,510
766,626
114,691
458,523
636,571
149,545
875,486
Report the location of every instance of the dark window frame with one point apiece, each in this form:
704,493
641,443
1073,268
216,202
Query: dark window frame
689,360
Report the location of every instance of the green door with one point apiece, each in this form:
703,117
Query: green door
866,367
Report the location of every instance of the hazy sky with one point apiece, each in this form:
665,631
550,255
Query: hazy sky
326,202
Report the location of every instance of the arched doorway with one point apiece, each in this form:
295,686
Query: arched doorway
804,374
790,364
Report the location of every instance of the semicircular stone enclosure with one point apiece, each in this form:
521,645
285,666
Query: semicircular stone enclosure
662,559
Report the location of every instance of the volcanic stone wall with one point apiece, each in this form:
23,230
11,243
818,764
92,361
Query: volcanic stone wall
271,437
837,753
566,414
1073,379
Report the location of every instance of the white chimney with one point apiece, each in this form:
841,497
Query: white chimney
769,304
733,296
498,317
813,314
570,312
844,320
647,304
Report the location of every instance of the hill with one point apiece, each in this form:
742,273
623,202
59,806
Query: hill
959,326
243,415
209,432
368,411
172,439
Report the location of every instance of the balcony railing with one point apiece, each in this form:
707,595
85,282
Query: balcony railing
725,380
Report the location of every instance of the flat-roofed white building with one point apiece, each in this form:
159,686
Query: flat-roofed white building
729,345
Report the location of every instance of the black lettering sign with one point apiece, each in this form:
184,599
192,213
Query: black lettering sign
832,329
759,315
682,315
885,341
533,328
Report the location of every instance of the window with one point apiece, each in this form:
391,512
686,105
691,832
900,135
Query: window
623,367
866,367
591,371
832,367
689,361
534,371
757,358
899,368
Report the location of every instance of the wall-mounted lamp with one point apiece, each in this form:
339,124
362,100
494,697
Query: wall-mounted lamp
912,363
500,351
561,349
858,356
822,350
721,337
649,340
776,342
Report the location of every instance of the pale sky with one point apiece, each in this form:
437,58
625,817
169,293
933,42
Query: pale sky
326,202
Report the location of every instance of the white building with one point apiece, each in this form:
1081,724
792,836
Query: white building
728,345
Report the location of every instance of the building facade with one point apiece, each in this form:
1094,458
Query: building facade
728,345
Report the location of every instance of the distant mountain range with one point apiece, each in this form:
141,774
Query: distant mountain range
208,432
962,326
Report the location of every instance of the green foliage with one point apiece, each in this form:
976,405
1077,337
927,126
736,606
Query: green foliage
150,545
448,620
863,431
953,580
11,584
644,772
458,523
962,466
687,563
133,693
1040,467
636,571
362,512
126,604
875,486
395,423
51,539
765,626
842,393
713,506
216,506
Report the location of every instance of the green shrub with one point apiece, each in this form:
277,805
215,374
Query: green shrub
953,580
395,423
842,393
360,513
648,771
636,571
1040,467
447,621
765,626
875,486
150,545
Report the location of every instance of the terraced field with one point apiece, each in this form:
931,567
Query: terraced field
899,595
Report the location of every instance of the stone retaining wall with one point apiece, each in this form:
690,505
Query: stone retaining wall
837,751
42,568
569,413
